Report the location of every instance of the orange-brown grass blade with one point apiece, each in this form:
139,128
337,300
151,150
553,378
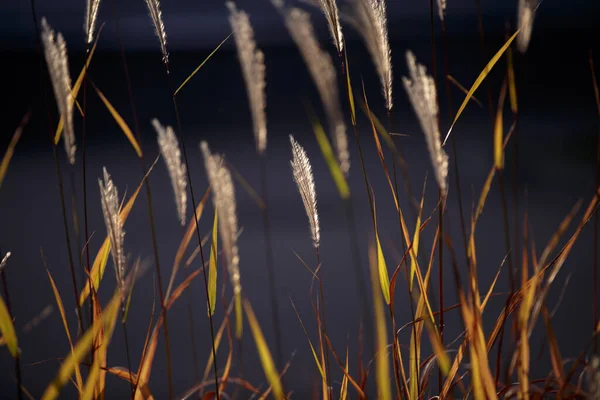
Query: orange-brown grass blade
385,135
227,368
82,347
9,336
359,388
101,259
463,89
145,367
201,64
11,147
187,237
63,316
312,348
212,269
499,131
218,337
480,79
245,185
332,163
557,361
128,376
344,385
382,366
264,353
120,121
77,85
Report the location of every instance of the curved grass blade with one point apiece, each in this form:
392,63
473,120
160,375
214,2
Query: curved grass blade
480,79
11,147
312,348
212,270
263,351
201,64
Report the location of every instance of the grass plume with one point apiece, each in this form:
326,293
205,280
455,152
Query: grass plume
525,17
159,27
330,10
91,15
252,61
55,51
169,148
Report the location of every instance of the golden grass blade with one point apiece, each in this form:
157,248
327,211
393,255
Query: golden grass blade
187,237
384,279
212,269
9,336
239,317
512,81
11,147
349,90
480,79
101,259
387,138
312,348
557,361
82,348
77,85
264,353
414,248
382,367
344,386
201,64
120,121
63,316
334,167
499,131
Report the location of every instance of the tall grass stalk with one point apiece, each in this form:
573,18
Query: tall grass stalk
595,244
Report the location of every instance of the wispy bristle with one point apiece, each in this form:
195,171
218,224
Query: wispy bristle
253,68
441,6
223,197
371,21
159,26
422,94
114,224
55,51
303,177
91,15
525,23
321,68
330,9
4,260
169,148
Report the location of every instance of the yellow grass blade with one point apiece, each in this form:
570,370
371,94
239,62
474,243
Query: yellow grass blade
512,85
384,279
101,259
312,348
63,316
480,79
82,347
239,317
385,135
463,89
330,159
11,147
263,351
499,132
9,336
349,84
120,121
77,86
415,243
201,64
382,366
212,269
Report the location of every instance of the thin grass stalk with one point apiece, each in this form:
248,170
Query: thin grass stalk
126,336
149,200
9,307
58,171
270,261
595,247
484,53
324,328
198,235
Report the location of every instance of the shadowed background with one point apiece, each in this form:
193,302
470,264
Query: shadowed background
557,151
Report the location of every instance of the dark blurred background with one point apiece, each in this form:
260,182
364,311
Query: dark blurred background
557,138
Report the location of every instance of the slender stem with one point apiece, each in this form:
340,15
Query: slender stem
269,261
124,323
199,237
324,329
9,307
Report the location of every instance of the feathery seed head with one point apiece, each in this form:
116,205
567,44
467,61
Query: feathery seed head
223,197
323,73
441,6
4,260
253,69
159,26
330,10
169,148
304,179
371,22
525,18
422,94
109,198
91,15
55,52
